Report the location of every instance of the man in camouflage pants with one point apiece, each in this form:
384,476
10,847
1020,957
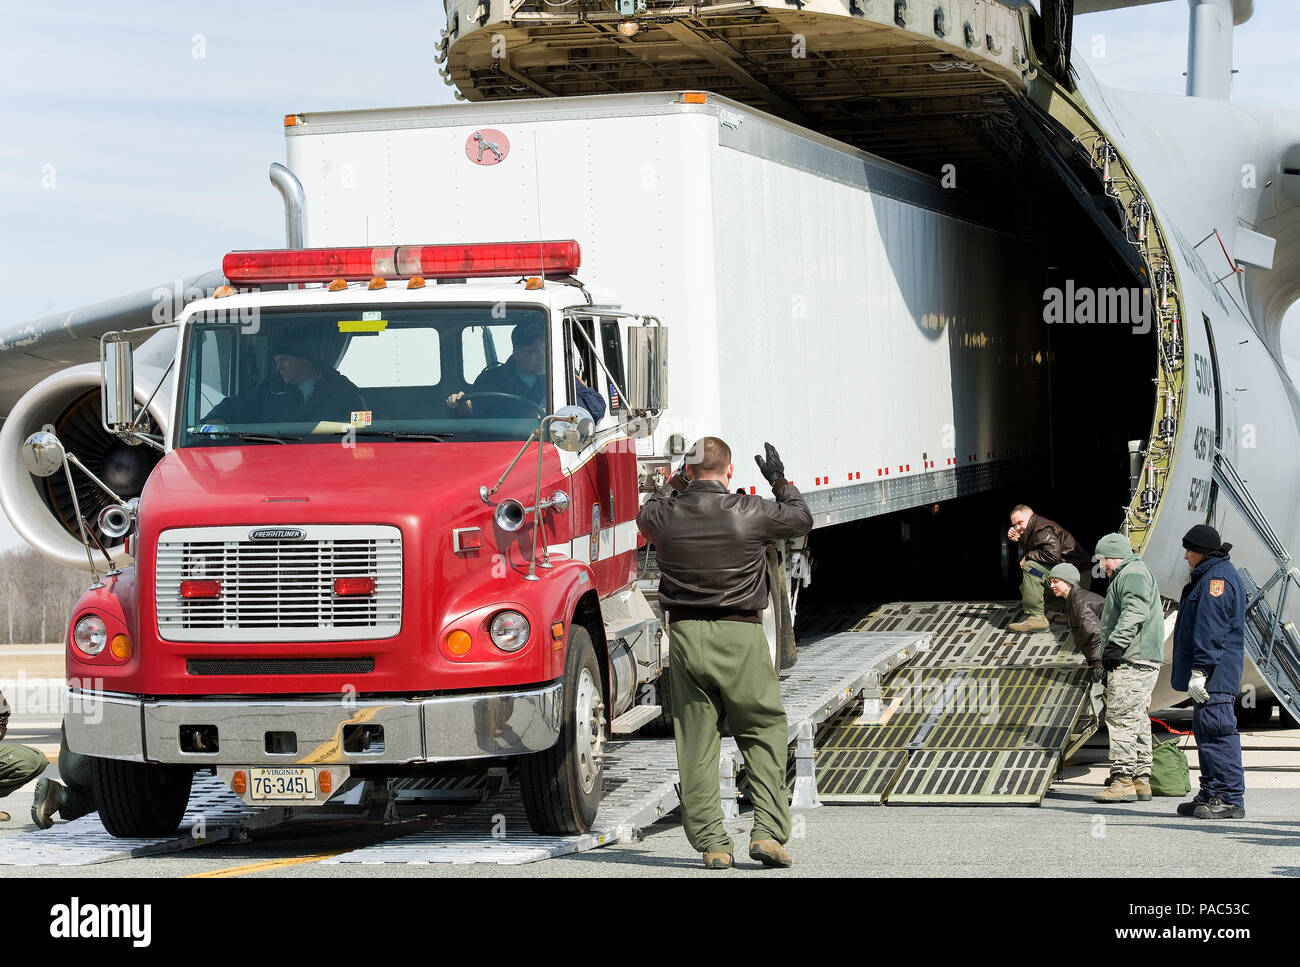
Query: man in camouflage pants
1133,637
19,764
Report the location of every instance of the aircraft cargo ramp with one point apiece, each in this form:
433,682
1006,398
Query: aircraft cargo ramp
985,716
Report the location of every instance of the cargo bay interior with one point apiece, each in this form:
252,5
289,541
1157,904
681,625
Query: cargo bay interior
914,102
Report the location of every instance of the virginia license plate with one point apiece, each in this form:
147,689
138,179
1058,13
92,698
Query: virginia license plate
281,784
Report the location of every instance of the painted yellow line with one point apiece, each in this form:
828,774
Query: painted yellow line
258,867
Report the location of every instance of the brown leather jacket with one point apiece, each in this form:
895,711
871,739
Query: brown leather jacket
1084,611
711,545
1048,543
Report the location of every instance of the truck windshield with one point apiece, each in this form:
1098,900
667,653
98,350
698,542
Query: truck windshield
309,376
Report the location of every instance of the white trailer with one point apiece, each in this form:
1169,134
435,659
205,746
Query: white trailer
873,325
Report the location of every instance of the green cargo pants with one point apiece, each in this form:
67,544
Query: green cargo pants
716,669
1035,595
19,765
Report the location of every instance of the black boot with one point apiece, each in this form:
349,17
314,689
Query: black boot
1216,808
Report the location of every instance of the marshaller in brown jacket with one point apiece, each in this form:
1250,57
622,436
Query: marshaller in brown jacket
712,545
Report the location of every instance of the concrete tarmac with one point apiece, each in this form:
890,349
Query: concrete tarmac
1068,835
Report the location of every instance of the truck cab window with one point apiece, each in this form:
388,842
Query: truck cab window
389,373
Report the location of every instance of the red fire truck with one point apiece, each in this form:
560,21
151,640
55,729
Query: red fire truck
363,561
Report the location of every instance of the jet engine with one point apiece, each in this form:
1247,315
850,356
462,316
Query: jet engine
68,405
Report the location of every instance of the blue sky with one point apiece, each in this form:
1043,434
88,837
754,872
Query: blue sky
137,135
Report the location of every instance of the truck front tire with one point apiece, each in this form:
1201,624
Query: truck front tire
561,786
140,799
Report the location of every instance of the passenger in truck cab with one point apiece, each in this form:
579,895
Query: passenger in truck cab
1043,544
523,375
302,388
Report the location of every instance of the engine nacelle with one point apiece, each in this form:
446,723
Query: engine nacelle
40,508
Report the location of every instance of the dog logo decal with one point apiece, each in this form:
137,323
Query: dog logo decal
487,147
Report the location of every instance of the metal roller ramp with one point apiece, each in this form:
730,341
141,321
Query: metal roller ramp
986,716
215,814
640,780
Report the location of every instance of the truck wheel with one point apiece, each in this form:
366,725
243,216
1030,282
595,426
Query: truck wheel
561,786
778,624
140,799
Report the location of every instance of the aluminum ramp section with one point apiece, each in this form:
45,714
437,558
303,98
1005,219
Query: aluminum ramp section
641,775
639,790
983,717
214,814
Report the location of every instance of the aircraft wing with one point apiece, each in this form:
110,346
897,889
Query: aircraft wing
31,351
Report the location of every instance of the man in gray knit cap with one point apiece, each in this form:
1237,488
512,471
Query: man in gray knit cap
1132,639
1083,609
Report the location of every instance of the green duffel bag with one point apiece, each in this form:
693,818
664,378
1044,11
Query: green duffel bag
1169,772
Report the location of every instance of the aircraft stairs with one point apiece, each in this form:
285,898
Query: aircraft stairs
1272,643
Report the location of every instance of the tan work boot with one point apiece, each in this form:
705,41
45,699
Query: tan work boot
1033,622
1120,790
1142,786
717,861
770,853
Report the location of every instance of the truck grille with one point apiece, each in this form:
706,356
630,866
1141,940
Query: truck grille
279,590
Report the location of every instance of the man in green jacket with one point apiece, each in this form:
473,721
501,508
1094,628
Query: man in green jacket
1133,639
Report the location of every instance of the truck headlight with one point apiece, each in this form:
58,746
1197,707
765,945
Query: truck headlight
90,635
509,631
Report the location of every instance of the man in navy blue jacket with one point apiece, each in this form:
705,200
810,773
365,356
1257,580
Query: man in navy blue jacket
1209,649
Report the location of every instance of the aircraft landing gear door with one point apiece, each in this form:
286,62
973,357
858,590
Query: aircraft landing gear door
605,499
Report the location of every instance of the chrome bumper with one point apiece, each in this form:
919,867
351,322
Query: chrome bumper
442,729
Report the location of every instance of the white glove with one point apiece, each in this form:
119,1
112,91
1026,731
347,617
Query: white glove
1196,687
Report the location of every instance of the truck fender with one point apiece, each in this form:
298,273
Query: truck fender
115,603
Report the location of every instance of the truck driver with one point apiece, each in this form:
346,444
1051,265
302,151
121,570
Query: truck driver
302,389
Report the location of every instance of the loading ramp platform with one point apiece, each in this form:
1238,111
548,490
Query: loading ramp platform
985,716
640,784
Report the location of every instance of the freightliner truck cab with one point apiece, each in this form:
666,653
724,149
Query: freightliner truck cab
354,560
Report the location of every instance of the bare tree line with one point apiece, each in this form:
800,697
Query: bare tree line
36,597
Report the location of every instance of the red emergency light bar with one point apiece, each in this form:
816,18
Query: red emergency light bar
402,261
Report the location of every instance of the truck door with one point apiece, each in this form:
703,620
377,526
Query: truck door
605,498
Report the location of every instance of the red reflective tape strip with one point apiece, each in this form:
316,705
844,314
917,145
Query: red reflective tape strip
1168,727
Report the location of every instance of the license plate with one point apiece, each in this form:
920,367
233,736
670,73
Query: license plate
281,784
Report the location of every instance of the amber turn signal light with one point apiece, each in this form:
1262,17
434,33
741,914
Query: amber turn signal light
458,642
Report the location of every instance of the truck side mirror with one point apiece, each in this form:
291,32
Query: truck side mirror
117,385
572,428
647,376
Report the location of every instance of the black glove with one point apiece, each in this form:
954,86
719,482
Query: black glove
678,479
1097,673
772,469
1111,656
